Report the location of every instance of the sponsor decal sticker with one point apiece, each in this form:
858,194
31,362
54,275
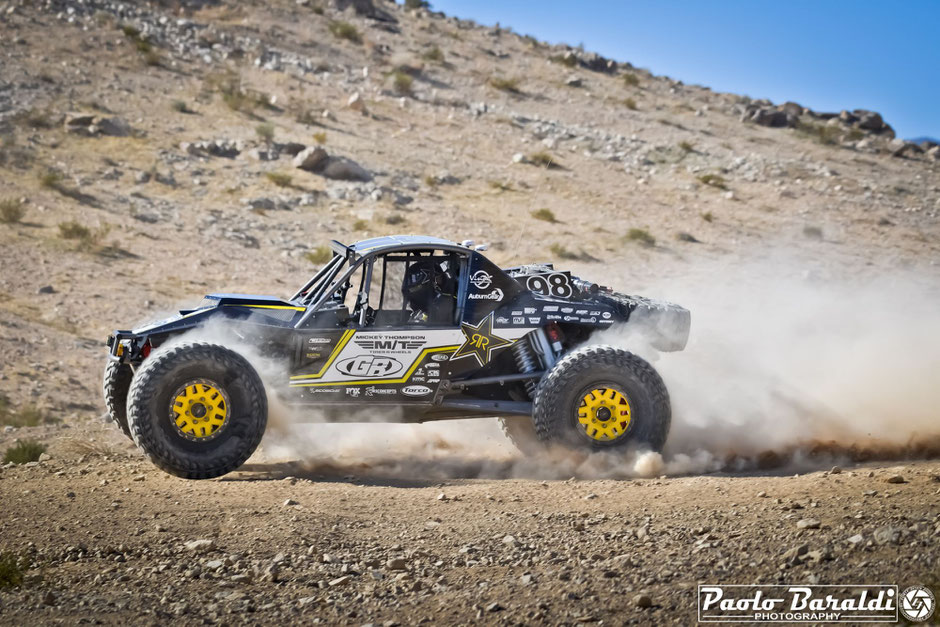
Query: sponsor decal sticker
316,355
318,340
480,341
416,390
440,357
528,310
517,313
374,391
605,315
502,320
481,279
535,320
369,366
548,308
792,603
390,343
518,320
552,317
354,392
567,309
322,391
496,294
572,319
581,312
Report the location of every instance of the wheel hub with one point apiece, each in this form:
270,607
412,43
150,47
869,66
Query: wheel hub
604,414
199,410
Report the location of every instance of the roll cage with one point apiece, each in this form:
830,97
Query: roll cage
331,283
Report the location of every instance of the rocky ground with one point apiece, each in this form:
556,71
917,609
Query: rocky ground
150,153
116,541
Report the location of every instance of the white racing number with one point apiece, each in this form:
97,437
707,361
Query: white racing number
556,284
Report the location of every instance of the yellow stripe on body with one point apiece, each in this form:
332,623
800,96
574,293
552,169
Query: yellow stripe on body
343,340
268,307
402,379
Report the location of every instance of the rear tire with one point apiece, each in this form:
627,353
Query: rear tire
117,383
233,399
561,416
521,432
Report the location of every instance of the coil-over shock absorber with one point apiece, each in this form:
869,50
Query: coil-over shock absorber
526,361
532,353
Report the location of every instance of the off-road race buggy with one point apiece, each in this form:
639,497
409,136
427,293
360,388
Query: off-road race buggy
398,329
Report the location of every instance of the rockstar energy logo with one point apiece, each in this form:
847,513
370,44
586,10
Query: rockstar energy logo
479,341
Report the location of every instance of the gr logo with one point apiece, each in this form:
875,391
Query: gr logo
369,366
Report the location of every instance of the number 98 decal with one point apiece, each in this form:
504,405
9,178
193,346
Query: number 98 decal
556,284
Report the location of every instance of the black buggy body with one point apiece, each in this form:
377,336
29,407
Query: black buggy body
404,329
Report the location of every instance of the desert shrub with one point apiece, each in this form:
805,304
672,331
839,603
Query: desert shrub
631,80
629,103
130,32
713,180
569,60
686,147
394,219
23,452
500,186
563,253
38,118
544,159
153,58
812,232
320,138
822,133
279,178
430,181
11,210
402,83
434,55
345,30
235,96
25,416
51,179
417,4
708,216
544,214
319,255
12,570
641,236
265,132
510,85
360,225
83,236
180,106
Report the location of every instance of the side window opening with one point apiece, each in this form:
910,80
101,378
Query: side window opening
415,288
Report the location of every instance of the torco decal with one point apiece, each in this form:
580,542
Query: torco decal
481,279
416,390
369,366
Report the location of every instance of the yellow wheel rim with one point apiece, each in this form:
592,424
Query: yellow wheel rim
604,414
199,410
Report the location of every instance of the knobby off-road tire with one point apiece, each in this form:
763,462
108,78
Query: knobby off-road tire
117,383
151,418
560,392
521,432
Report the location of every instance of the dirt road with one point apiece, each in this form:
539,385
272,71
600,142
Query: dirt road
117,541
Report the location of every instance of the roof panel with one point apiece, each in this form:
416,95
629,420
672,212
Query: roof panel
377,244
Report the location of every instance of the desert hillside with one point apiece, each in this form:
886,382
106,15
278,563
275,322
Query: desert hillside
153,152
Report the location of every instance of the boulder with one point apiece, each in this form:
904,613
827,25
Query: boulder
113,127
364,8
344,169
310,159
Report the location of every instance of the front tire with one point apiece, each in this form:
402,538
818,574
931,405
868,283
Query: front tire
521,432
117,382
601,397
197,410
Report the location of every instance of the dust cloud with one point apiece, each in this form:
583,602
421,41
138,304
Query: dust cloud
785,368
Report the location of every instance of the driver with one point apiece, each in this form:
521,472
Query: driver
428,290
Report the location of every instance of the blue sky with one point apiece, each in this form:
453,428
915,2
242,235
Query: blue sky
828,55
